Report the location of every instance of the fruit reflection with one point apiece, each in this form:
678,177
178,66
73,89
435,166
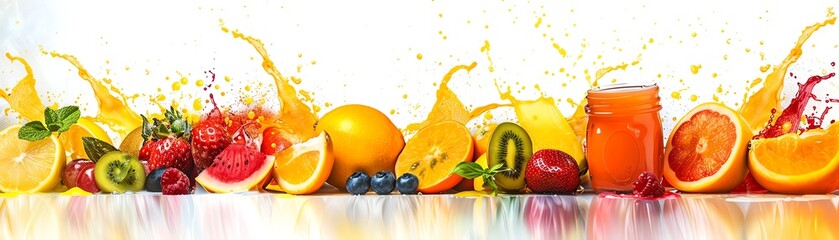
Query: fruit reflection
796,218
554,217
702,217
612,217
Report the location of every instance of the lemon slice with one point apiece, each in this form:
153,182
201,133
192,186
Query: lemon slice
71,140
29,166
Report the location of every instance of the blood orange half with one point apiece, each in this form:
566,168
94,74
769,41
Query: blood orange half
706,151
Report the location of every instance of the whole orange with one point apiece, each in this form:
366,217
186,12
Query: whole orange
363,139
481,139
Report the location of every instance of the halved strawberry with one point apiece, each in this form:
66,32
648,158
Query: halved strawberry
209,138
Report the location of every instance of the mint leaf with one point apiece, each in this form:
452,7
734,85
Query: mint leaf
50,116
67,116
469,170
53,127
33,131
96,148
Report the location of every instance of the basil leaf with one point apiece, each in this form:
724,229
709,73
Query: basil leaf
469,170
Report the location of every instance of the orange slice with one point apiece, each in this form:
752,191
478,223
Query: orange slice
797,164
304,167
706,151
433,153
29,166
71,140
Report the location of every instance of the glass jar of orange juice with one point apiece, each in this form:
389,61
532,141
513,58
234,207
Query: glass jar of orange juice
624,136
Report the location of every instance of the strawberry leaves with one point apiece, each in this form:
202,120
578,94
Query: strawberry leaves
54,121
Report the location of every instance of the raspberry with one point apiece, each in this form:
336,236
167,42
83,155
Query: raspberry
174,182
749,185
648,185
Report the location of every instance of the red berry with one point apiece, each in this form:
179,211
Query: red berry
648,185
749,185
170,152
274,139
552,171
174,182
145,150
209,138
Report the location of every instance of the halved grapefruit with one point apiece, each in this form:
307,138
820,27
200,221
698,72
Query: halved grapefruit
706,151
797,164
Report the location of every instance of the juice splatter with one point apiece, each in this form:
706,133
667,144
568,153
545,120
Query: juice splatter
757,109
294,113
789,120
547,127
448,106
113,112
485,49
24,98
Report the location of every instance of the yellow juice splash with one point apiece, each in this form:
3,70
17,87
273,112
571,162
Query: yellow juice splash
23,98
294,113
113,111
757,109
448,106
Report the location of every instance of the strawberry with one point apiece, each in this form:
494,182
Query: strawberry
552,171
209,138
648,185
145,151
166,142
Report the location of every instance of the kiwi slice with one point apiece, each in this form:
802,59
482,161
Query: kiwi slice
510,145
119,172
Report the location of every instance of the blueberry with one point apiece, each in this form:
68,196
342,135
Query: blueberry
358,183
407,183
383,182
153,180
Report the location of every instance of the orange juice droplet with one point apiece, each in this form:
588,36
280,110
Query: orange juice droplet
757,109
113,111
24,98
294,112
695,68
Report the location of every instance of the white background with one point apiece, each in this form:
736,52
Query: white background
366,51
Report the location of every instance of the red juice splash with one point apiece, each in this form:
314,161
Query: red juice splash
788,121
212,79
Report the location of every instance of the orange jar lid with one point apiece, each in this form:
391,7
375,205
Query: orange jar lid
623,99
